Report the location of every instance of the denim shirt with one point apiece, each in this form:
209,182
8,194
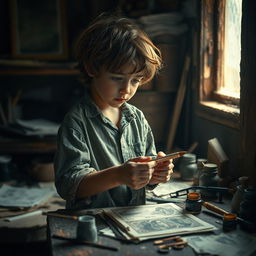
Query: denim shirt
88,142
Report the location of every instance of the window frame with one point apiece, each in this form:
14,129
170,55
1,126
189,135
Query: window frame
212,105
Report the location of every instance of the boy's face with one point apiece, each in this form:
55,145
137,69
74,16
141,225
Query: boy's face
113,89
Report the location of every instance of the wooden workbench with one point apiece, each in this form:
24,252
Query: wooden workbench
67,228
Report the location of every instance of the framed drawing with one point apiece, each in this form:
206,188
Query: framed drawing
38,29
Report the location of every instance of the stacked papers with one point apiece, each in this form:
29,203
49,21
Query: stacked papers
232,243
23,197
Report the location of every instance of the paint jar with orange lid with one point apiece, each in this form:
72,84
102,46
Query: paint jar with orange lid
193,203
229,221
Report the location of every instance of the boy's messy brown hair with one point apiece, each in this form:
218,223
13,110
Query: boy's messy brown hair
111,43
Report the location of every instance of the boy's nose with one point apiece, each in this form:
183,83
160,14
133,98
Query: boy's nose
125,87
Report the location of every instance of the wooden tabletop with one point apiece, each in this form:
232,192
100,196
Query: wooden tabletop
27,229
67,228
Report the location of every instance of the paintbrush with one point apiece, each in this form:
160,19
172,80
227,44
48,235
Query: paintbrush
64,216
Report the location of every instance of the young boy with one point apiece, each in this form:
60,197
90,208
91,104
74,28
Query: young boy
105,144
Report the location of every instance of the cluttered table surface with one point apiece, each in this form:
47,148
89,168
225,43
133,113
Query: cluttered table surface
145,230
21,218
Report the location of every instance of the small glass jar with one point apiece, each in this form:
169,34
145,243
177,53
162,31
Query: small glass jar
188,166
200,165
236,199
193,203
229,221
209,178
239,194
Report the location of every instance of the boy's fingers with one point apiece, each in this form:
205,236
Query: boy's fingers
141,159
160,154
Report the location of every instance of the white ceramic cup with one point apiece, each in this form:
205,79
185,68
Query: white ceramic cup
86,228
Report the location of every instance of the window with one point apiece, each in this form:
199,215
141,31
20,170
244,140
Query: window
220,54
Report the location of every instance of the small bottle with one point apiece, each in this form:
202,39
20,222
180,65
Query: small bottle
238,196
209,178
229,221
193,203
200,164
188,166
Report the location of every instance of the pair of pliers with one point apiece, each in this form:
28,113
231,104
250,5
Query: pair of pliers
176,243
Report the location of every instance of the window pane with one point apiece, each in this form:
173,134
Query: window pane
232,48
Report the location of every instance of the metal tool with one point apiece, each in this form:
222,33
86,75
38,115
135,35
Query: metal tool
169,156
177,243
219,190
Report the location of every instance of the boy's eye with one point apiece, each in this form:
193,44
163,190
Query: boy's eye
115,78
136,81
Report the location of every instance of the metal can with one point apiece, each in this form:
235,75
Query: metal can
229,221
193,203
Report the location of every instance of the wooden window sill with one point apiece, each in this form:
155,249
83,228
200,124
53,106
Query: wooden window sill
227,115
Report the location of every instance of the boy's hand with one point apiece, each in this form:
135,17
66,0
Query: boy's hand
162,171
137,172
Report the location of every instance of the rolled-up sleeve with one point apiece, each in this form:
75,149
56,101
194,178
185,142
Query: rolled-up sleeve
72,162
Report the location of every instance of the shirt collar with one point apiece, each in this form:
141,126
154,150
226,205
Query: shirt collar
93,110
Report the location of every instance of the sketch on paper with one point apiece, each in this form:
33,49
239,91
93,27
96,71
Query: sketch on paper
157,220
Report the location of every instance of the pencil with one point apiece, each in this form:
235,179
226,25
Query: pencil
77,241
64,216
169,156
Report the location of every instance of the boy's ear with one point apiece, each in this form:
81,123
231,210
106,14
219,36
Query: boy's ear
88,71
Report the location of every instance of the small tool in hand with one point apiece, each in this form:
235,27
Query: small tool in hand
169,156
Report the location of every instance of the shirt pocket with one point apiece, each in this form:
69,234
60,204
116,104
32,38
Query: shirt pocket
137,149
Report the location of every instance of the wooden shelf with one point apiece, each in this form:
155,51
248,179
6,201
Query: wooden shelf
30,67
26,72
28,145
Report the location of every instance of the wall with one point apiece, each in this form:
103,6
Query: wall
204,130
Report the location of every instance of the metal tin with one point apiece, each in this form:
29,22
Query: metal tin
229,221
193,203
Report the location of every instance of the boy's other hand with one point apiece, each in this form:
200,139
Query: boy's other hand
162,171
137,172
